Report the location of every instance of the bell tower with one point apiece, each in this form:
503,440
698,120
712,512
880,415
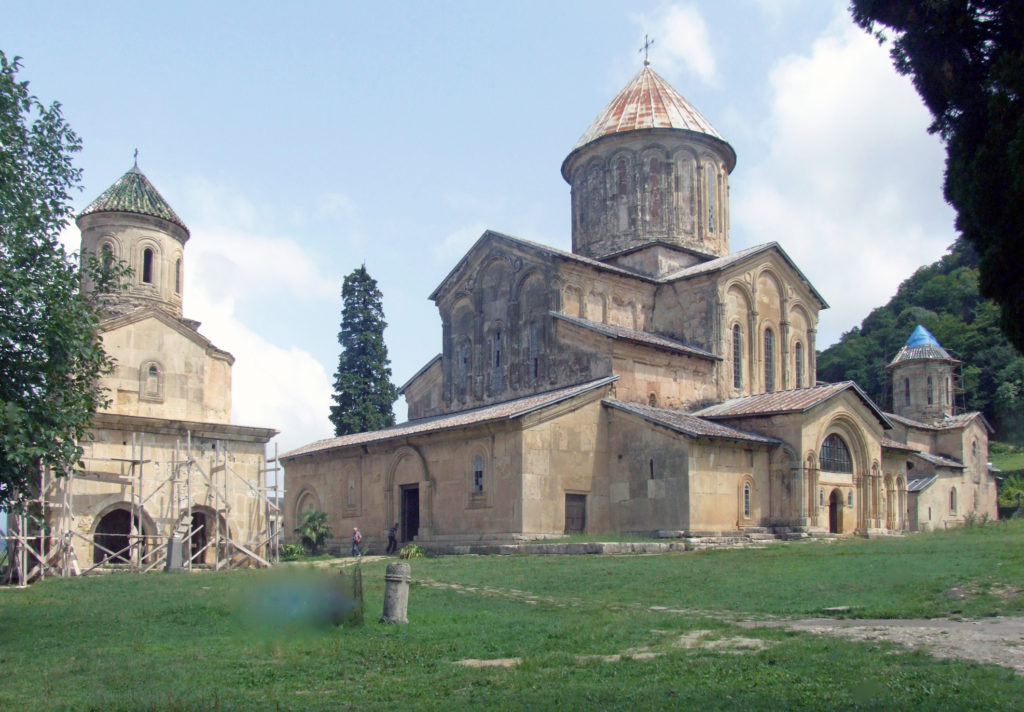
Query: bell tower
922,379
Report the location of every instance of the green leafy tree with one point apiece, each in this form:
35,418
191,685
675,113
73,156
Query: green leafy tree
363,392
966,59
51,356
313,530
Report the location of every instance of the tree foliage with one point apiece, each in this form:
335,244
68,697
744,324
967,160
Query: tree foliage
966,59
51,356
944,297
363,392
313,530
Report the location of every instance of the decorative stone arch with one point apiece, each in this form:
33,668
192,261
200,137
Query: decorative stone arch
769,351
208,532
178,276
110,242
890,503
654,170
800,335
623,192
151,381
810,462
684,189
622,307
308,498
114,526
737,292
901,502
155,260
572,300
391,494
597,306
496,356
849,430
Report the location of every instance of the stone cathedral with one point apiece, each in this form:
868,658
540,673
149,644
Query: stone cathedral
650,381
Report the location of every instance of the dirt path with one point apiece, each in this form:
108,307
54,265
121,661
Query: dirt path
999,641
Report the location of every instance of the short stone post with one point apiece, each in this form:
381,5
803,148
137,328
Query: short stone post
396,593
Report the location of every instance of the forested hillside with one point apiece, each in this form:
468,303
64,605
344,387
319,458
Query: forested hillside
944,297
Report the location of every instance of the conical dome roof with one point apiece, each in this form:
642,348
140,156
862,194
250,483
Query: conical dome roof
648,102
133,193
921,345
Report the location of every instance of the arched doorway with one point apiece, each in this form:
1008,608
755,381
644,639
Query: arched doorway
835,512
113,537
207,531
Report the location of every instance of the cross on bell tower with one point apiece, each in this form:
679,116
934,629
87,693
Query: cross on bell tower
647,45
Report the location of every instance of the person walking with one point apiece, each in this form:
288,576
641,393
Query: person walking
357,539
392,539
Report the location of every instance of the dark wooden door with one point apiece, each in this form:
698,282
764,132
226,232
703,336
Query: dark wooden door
410,512
575,513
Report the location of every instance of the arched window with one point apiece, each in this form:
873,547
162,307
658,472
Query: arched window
769,360
821,498
974,448
746,499
849,498
712,190
478,474
952,500
654,192
177,277
835,455
652,400
799,370
147,266
496,361
151,382
930,397
737,356
463,365
906,390
949,390
106,258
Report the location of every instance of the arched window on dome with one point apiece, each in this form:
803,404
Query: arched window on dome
147,266
106,258
930,388
654,192
769,360
835,455
177,276
737,356
622,193
906,391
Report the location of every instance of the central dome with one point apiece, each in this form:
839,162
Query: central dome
650,173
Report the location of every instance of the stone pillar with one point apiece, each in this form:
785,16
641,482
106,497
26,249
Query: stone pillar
396,593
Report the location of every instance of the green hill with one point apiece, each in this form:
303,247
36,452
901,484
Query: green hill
944,297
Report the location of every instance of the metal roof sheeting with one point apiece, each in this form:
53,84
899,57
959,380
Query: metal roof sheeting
689,424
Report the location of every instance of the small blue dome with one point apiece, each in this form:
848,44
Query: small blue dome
922,337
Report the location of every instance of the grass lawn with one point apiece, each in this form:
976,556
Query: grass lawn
591,633
1006,457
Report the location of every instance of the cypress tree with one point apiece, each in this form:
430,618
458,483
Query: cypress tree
363,392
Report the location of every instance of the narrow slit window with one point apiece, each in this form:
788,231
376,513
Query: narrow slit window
147,266
799,370
769,360
478,474
737,356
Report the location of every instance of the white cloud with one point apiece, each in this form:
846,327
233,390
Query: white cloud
852,185
681,40
456,243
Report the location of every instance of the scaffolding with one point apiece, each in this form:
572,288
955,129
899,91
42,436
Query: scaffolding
40,538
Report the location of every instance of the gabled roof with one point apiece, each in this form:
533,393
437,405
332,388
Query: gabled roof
506,410
921,346
419,373
643,338
721,263
890,444
133,193
939,460
689,424
952,422
799,400
536,247
179,325
919,483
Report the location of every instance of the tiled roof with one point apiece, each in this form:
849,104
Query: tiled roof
793,401
647,102
689,424
951,422
919,483
921,345
133,193
890,444
939,461
639,337
506,410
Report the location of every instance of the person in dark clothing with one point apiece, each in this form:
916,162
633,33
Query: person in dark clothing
392,539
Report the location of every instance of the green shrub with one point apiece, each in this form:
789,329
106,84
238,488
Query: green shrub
411,551
290,552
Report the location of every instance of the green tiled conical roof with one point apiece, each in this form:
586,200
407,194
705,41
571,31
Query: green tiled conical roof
133,193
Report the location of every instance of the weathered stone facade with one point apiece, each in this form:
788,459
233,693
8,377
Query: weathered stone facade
163,459
649,381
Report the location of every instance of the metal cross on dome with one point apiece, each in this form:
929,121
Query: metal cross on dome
647,46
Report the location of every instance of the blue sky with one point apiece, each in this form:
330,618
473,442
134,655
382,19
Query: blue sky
300,140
